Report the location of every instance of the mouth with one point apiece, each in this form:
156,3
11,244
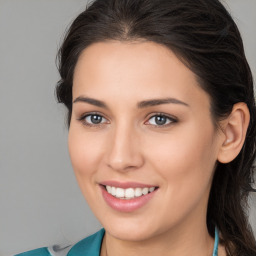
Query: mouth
128,193
127,196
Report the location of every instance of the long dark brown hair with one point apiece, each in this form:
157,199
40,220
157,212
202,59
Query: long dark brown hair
204,36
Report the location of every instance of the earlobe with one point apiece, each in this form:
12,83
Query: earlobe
234,129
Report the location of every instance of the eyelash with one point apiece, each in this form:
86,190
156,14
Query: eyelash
84,122
161,115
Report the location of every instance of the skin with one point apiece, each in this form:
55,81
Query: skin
128,145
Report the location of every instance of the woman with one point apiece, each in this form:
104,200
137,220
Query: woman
162,132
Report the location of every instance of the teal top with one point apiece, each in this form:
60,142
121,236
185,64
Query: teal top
90,246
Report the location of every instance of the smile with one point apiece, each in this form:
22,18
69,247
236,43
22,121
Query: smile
128,193
128,196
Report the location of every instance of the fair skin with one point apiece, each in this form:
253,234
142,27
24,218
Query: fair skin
127,143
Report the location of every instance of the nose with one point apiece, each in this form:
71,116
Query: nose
125,151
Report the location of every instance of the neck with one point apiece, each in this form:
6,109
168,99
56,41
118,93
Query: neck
180,241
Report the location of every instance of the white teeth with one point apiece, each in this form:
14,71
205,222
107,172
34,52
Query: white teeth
128,193
138,192
113,191
109,189
119,192
151,189
145,191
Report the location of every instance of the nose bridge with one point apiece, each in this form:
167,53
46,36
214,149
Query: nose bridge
124,150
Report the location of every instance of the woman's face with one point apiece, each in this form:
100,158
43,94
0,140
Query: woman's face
141,123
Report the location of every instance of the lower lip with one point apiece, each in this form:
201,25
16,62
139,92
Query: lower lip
126,205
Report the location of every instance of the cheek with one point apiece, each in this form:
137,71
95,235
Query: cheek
85,151
185,163
185,159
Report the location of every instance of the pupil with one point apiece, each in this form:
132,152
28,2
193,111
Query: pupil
96,119
160,120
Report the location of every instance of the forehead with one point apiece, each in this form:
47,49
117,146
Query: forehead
134,70
112,57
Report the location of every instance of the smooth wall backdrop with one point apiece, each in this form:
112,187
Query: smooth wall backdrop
40,202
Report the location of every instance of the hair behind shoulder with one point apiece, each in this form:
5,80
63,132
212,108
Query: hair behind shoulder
204,36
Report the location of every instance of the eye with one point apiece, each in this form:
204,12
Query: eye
161,120
93,119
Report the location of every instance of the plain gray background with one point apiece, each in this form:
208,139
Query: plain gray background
40,202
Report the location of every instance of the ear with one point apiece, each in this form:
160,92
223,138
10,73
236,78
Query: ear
234,128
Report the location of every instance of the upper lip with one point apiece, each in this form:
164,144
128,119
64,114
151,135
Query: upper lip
125,185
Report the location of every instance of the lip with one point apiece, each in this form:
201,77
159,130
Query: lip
125,185
126,205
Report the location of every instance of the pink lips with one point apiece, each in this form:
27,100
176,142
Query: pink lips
124,185
126,205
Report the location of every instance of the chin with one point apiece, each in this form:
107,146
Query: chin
133,235
130,230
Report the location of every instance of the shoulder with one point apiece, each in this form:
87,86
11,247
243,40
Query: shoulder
88,246
38,252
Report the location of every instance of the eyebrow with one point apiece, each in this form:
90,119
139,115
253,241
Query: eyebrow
156,102
97,103
142,104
